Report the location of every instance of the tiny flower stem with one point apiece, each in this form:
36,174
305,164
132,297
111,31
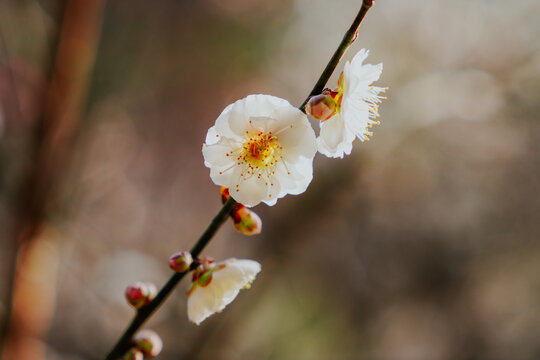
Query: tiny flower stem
348,39
123,344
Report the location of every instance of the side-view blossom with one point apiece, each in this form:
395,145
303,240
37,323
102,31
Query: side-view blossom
216,285
350,110
262,149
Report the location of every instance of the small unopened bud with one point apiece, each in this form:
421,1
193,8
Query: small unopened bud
134,354
140,294
321,107
181,261
247,222
149,342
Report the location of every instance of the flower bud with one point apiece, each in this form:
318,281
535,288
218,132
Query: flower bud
322,107
247,222
134,354
140,294
149,342
181,261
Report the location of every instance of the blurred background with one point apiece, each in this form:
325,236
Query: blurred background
423,244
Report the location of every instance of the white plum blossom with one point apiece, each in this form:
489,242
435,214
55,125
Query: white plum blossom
221,284
357,107
261,148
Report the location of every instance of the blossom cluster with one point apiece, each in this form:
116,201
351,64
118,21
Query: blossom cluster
260,149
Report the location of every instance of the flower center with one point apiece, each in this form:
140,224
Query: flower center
260,150
258,156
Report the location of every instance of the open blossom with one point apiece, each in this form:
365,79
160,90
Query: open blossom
261,148
356,107
216,285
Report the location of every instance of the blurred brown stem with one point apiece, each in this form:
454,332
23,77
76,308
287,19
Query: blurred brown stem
53,142
123,344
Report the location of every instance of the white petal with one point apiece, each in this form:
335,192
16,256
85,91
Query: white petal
224,176
271,202
294,178
355,113
222,125
222,290
260,105
359,58
212,136
202,303
237,274
355,70
250,191
240,113
216,154
359,79
298,140
274,192
335,140
285,115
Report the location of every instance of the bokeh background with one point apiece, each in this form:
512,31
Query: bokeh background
424,244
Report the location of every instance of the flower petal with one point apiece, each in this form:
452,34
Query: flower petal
334,140
216,154
294,178
222,128
212,136
250,191
298,140
225,285
252,106
224,176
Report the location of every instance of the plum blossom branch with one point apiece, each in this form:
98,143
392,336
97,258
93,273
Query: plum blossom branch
143,313
348,39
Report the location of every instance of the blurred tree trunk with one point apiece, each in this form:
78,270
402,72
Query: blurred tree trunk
34,281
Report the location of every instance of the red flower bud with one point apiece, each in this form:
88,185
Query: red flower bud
140,294
247,222
181,261
322,107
